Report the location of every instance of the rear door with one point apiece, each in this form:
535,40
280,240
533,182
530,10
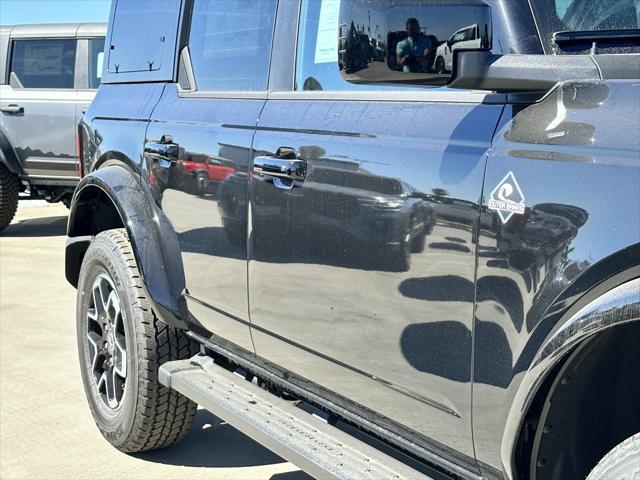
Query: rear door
364,204
205,125
37,106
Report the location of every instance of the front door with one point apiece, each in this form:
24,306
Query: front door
208,127
364,209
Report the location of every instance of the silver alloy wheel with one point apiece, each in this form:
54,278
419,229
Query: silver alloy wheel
107,341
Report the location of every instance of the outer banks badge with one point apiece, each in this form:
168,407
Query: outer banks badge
507,198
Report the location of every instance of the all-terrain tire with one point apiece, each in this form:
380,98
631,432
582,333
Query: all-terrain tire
621,463
9,190
149,415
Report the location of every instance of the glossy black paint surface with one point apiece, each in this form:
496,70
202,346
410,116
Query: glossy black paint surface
201,192
373,268
578,170
354,264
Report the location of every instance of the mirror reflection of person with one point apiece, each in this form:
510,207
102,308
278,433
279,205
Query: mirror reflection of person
413,52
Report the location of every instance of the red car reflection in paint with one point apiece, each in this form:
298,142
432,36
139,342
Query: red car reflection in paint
215,170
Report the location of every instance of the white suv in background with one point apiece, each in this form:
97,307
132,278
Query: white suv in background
49,75
467,37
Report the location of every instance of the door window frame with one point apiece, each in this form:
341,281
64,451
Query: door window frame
282,72
184,63
82,64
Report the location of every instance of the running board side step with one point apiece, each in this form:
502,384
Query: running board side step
321,450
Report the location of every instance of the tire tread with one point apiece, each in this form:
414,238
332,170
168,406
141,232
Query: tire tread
9,190
163,416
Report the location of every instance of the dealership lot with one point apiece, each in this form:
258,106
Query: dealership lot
47,431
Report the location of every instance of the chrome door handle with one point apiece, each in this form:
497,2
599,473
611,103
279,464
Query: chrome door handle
280,168
12,109
165,151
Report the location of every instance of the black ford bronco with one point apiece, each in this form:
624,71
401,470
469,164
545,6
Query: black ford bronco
292,207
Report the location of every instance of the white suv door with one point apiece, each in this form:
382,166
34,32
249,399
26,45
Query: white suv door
38,106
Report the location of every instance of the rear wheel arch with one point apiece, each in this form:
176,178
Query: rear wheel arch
115,197
591,406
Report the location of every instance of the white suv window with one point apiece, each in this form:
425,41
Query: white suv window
46,63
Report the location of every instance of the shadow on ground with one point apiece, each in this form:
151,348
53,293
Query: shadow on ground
214,444
37,227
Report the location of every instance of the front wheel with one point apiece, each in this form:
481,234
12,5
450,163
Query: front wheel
440,66
621,463
121,345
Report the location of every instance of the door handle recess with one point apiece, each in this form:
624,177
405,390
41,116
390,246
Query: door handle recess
12,109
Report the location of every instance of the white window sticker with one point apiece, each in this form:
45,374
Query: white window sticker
327,41
43,59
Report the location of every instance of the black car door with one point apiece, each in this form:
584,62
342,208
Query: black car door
201,133
362,251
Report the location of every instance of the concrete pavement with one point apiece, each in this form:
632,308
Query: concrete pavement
46,429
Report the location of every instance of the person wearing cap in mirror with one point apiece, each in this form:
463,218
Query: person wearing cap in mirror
413,52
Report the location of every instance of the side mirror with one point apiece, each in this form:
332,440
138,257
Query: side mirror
412,36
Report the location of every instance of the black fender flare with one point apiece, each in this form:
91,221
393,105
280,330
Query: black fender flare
620,305
9,157
153,239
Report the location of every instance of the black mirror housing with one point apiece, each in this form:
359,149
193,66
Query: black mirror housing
518,73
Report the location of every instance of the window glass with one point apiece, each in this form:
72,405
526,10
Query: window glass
588,15
96,60
230,44
322,42
140,32
598,14
44,63
317,63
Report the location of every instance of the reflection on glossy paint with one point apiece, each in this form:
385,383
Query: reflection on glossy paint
338,264
352,210
563,150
